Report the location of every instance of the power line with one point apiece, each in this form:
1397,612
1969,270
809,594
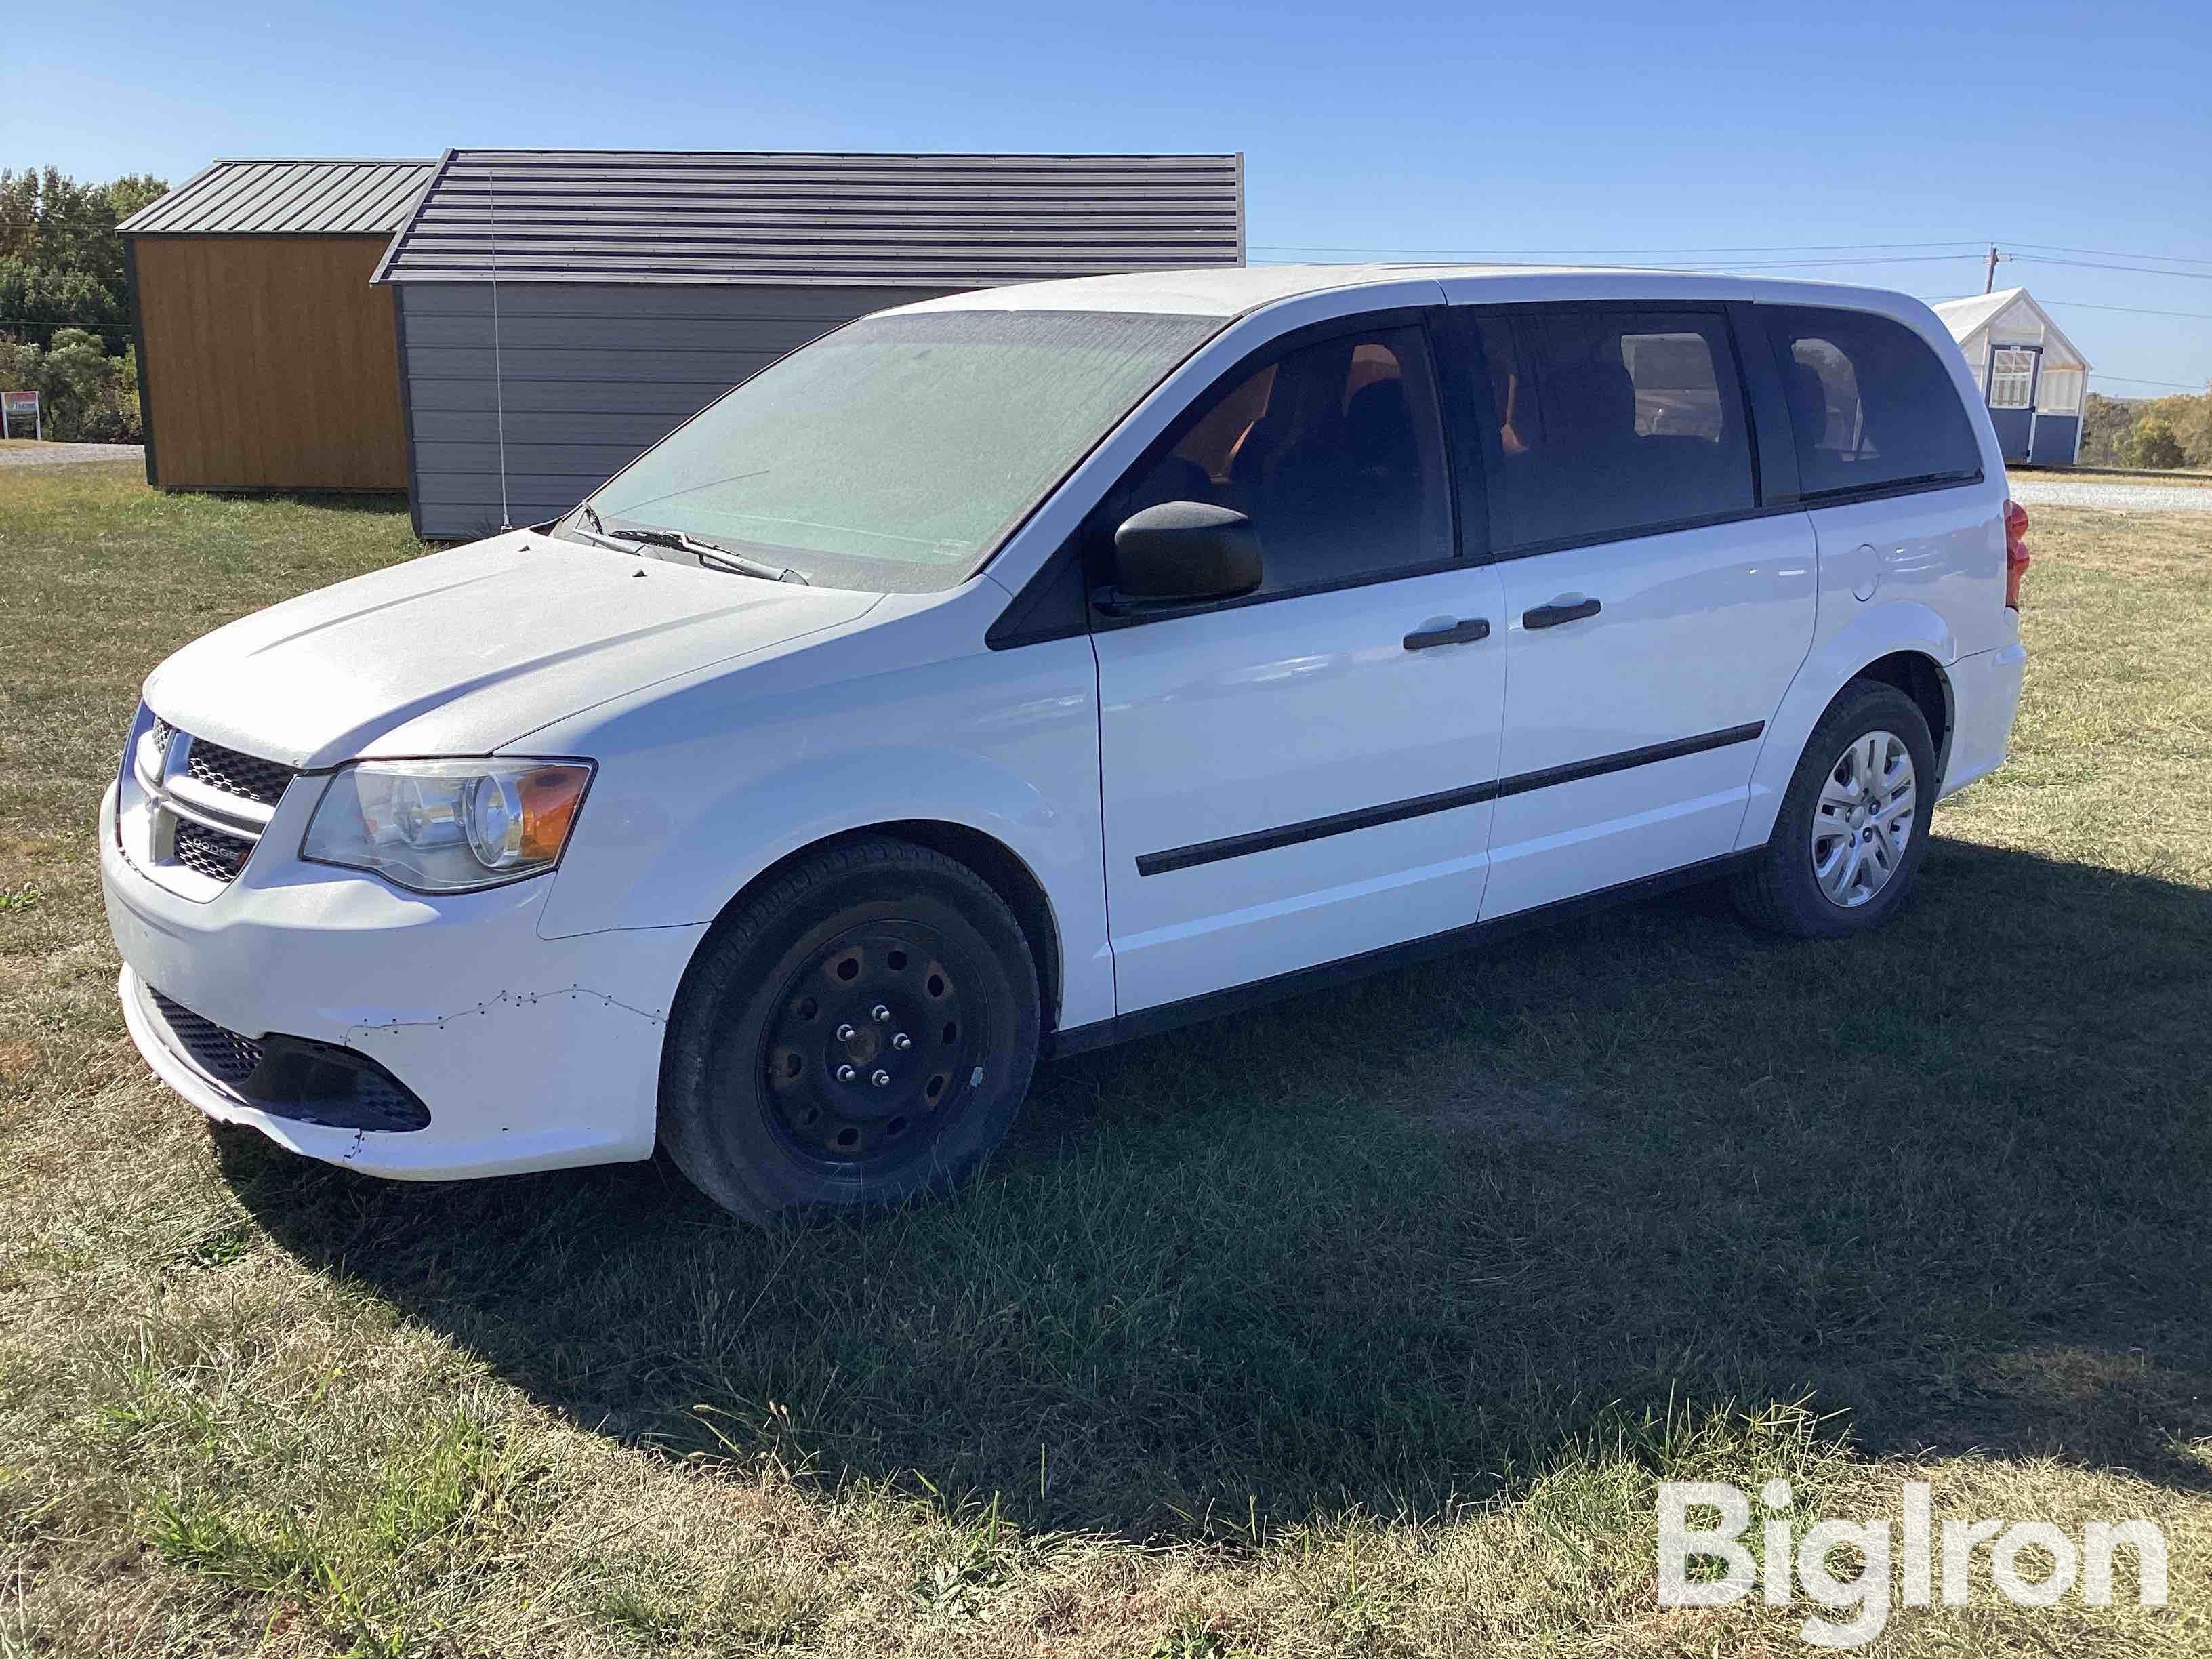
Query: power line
2133,311
2107,253
2137,379
2085,265
1794,264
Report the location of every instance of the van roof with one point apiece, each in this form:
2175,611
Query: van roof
1233,290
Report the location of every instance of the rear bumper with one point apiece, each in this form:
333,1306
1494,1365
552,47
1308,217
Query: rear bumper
1984,698
529,1053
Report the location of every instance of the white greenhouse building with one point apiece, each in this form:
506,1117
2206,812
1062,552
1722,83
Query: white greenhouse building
2031,375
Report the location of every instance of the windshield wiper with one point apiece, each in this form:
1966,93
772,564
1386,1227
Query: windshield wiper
707,554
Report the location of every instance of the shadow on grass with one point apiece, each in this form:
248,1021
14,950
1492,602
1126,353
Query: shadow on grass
1396,1243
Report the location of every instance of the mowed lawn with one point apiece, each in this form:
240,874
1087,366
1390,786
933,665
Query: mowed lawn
1365,1325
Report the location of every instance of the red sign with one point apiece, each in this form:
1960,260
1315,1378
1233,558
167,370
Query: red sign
20,406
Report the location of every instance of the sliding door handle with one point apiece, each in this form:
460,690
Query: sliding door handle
1448,632
1550,616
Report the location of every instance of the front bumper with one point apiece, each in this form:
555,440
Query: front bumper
529,1053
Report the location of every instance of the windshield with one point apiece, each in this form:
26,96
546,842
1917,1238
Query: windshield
894,454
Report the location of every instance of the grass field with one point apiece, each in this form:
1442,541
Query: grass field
1361,1325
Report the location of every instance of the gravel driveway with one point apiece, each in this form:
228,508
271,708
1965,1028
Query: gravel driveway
67,455
2122,497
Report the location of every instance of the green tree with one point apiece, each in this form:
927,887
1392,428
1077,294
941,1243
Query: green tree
61,260
2106,422
2153,444
89,396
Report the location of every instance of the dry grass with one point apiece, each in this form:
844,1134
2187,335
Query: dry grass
1365,1325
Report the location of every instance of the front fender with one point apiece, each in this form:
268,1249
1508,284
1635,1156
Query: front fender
693,873
698,793
1881,629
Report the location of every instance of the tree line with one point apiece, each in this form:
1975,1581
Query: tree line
2161,433
65,300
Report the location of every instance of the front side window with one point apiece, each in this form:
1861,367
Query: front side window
1334,450
895,454
1870,404
1611,423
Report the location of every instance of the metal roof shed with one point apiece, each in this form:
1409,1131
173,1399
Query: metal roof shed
2031,375
266,359
560,311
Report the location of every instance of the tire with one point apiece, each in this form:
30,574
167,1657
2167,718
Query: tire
1785,890
831,966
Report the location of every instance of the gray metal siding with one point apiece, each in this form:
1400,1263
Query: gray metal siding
591,377
287,198
935,221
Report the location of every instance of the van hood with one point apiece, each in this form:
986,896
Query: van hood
461,652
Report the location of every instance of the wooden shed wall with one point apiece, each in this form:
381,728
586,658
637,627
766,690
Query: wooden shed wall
269,363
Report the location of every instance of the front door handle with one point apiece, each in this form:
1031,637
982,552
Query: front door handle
1550,616
1448,633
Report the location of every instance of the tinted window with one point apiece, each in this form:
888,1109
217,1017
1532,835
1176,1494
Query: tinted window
1609,423
1333,450
1870,402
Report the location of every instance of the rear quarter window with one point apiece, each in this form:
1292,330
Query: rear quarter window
1871,405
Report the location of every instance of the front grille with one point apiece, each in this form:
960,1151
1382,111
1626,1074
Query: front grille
205,807
220,1052
234,774
294,1077
214,854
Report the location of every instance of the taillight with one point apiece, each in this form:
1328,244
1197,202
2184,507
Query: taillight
2015,517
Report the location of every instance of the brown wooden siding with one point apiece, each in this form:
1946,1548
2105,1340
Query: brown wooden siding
271,364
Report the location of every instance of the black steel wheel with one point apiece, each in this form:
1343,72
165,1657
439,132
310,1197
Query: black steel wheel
866,1054
861,1032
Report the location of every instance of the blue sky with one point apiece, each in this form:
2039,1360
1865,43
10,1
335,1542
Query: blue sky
1614,130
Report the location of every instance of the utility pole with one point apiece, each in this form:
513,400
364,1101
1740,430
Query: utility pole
1989,281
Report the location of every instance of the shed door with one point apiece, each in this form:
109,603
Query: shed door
2013,372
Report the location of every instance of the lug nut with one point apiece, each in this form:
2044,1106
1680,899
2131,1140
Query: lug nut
881,1079
901,1042
883,1015
846,1074
846,1034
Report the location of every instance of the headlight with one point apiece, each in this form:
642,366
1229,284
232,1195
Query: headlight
444,826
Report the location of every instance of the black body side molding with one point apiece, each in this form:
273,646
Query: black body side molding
1444,800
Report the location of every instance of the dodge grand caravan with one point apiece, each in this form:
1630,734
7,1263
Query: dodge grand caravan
1009,673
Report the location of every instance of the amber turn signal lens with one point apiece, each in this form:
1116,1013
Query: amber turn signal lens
550,796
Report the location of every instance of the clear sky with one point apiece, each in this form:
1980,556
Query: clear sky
1617,130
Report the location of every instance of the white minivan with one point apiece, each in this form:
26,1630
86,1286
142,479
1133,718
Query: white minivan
1015,673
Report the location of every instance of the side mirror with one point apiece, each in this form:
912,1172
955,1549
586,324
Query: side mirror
1182,552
